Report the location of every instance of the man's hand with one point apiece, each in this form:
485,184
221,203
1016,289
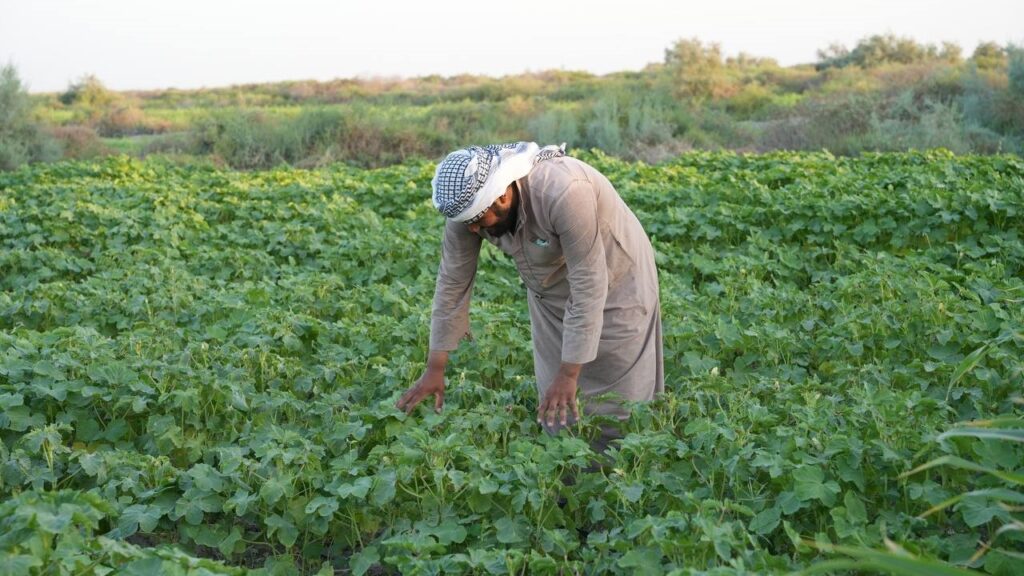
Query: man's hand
430,383
560,398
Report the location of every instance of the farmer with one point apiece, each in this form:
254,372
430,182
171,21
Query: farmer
588,268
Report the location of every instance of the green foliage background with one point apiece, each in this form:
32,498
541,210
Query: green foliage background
886,93
22,139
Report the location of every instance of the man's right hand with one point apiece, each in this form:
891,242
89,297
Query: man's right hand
430,383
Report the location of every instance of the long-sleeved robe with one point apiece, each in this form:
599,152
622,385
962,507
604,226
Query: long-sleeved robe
590,278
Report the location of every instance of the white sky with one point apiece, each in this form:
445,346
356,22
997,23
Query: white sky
137,44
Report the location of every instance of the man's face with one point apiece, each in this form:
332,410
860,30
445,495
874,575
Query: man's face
497,220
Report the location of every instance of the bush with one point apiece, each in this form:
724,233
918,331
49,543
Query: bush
22,140
696,71
79,142
555,126
1015,72
985,141
943,83
375,143
123,121
88,91
831,122
885,49
749,101
253,139
905,126
603,130
170,144
992,107
91,103
248,139
648,122
988,56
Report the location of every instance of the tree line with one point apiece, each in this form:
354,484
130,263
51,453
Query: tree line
884,93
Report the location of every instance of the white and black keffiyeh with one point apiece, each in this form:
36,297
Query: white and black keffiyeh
469,180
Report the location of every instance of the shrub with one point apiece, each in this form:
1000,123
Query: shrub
170,144
989,55
696,71
933,125
882,49
87,91
249,140
942,83
555,126
834,122
985,141
22,140
372,143
749,101
603,130
710,127
79,142
991,106
253,139
90,99
1015,71
122,121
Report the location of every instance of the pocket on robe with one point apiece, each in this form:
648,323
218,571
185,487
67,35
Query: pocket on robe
618,259
624,323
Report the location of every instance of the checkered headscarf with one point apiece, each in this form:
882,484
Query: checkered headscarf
461,182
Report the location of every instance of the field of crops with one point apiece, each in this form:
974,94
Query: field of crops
198,371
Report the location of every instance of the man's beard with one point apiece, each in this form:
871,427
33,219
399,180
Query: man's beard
507,218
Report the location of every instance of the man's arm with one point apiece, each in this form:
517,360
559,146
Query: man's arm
449,318
574,217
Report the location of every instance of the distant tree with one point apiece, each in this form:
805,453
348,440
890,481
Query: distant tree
883,49
993,92
832,55
22,139
988,56
97,107
89,92
886,49
1015,70
951,52
744,60
694,69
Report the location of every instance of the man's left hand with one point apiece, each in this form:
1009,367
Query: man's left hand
560,398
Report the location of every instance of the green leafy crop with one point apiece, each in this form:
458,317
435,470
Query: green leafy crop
198,370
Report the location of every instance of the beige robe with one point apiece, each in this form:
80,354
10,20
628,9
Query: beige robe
590,279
